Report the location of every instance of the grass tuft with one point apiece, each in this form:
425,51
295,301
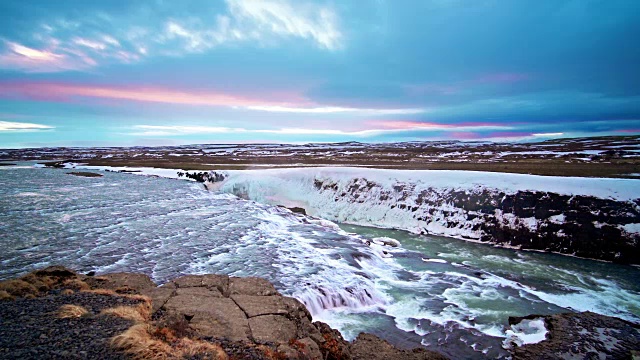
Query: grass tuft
71,311
18,288
5,296
140,342
139,313
76,284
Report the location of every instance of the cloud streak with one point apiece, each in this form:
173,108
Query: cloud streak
11,126
385,128
63,92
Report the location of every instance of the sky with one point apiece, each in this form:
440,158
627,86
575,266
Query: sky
164,72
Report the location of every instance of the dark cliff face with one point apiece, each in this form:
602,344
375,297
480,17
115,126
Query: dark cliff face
589,228
584,226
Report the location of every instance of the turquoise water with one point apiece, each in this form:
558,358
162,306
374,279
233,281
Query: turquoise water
449,294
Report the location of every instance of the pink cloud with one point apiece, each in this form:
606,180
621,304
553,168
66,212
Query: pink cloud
403,124
629,131
419,125
465,135
21,57
272,101
508,134
63,92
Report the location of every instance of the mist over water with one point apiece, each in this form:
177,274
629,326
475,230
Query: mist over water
437,291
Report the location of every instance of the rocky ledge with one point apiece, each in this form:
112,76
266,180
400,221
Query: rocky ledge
57,313
582,336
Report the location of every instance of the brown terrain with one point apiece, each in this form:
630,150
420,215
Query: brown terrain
55,313
617,156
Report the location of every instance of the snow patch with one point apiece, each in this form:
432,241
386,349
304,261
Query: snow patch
525,332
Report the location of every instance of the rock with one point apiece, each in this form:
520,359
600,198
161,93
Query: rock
159,297
296,308
220,282
198,291
582,335
272,328
137,282
84,174
311,349
261,305
332,345
209,314
188,281
298,210
370,347
251,286
288,352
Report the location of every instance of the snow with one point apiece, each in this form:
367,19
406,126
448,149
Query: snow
387,198
441,261
147,171
616,189
632,228
526,332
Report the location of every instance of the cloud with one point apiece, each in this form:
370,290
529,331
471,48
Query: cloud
48,59
290,103
22,127
418,125
280,17
337,109
548,134
262,21
179,130
81,44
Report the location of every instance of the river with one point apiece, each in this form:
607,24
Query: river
452,295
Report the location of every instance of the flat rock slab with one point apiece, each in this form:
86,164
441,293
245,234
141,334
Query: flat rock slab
210,314
209,281
272,328
159,296
137,282
188,281
198,291
261,305
251,286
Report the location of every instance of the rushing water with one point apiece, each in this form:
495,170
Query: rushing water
453,295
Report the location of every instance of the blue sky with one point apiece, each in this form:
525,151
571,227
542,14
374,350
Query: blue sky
120,73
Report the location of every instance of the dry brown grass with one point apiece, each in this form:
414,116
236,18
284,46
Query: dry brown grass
71,311
18,288
76,284
200,349
138,313
139,343
5,296
67,292
42,283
